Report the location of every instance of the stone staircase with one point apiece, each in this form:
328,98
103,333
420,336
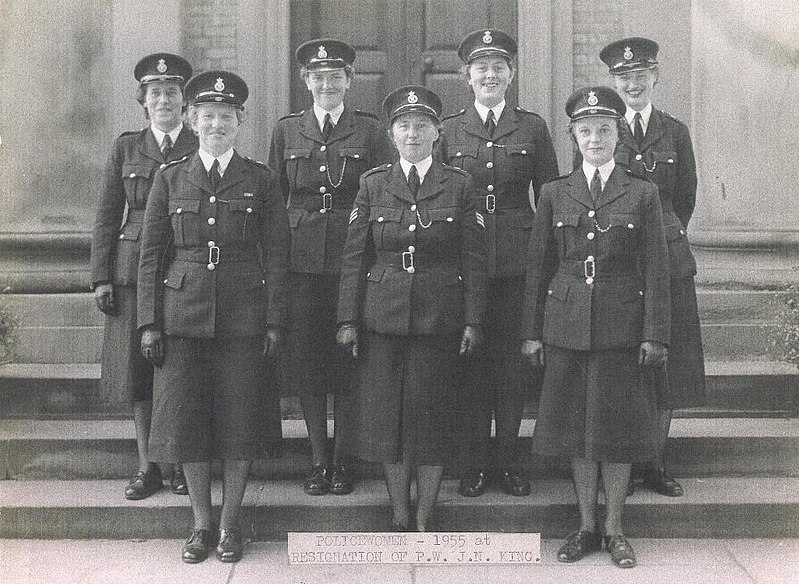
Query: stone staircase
67,450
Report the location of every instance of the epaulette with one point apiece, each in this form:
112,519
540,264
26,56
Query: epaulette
561,177
293,115
131,132
376,169
671,117
634,174
178,161
521,110
367,114
455,169
256,162
455,115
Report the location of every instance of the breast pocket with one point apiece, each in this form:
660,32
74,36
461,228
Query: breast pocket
461,154
137,180
564,227
664,165
245,218
385,225
520,157
622,231
184,216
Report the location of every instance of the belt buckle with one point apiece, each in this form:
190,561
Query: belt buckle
491,203
589,269
213,255
407,262
327,201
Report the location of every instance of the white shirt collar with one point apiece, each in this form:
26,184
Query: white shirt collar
421,167
646,113
482,110
159,135
208,160
335,114
604,171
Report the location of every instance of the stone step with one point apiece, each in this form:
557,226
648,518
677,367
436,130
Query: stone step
711,508
735,388
106,449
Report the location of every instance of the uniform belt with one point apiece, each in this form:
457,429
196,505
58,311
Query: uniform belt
323,201
215,255
598,269
491,204
412,261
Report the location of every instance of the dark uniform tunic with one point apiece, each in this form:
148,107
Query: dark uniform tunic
503,167
115,252
212,277
413,275
596,288
319,181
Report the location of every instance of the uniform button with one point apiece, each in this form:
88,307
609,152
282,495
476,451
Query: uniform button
212,199
449,220
211,267
380,219
132,175
323,190
524,151
630,226
121,236
412,227
460,278
411,249
549,292
322,148
211,221
411,270
323,210
638,157
211,244
249,209
559,224
590,235
165,280
589,281
682,231
293,156
356,155
162,166
589,259
179,210
489,144
490,188
459,154
591,213
489,165
640,293
671,161
413,207
322,168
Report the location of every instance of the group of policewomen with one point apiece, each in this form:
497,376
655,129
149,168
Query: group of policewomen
430,278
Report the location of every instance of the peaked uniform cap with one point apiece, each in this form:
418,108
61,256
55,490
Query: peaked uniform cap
631,54
595,101
412,98
217,87
325,55
162,67
486,42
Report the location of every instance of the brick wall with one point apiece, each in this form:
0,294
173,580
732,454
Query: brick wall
208,35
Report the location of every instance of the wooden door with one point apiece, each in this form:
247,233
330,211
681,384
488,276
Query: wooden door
399,42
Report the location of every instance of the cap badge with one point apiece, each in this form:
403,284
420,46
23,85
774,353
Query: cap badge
412,97
487,38
321,53
161,67
219,85
592,99
628,53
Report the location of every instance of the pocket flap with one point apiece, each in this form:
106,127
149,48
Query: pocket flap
523,149
137,171
251,205
292,153
252,280
381,214
448,214
564,220
665,157
458,150
559,289
628,220
174,278
352,152
674,232
375,274
131,231
184,206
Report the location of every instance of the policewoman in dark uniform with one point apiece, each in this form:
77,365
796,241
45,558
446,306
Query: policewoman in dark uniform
212,285
507,151
596,315
115,245
411,303
657,145
321,153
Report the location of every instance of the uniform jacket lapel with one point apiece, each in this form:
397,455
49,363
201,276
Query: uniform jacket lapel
472,124
309,127
345,126
234,173
655,129
197,175
614,188
579,188
433,183
148,146
185,144
508,123
398,185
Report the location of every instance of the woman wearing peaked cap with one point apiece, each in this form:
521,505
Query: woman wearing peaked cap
321,153
596,315
507,151
115,250
212,285
411,303
656,145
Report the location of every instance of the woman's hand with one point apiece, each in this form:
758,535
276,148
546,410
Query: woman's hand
533,351
273,338
471,339
104,298
347,338
652,354
152,347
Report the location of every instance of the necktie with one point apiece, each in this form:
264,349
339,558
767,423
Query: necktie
166,146
413,181
638,129
596,187
214,175
327,128
490,124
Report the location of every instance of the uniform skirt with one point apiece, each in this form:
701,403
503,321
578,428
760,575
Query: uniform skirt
599,405
125,373
686,362
209,401
406,389
312,362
